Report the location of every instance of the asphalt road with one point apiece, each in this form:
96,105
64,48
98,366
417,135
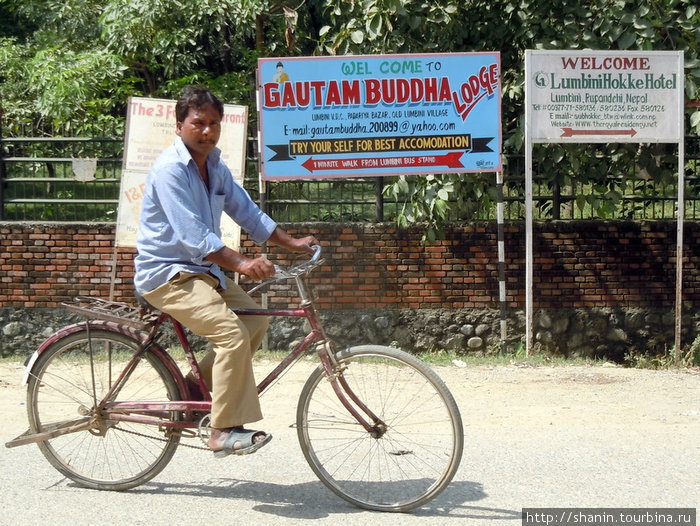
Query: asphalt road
535,437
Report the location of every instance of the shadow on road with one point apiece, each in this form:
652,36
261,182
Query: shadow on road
311,500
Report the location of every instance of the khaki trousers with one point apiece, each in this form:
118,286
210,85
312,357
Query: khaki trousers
197,301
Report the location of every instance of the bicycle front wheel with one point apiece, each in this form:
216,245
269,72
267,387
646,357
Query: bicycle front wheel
69,381
420,447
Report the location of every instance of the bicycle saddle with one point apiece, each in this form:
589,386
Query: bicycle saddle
142,301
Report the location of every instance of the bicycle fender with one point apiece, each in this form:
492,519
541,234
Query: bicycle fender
28,365
108,326
65,331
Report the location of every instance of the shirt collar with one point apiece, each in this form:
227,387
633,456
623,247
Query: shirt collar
186,157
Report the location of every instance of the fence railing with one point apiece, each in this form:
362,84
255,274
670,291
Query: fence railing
60,179
39,180
644,196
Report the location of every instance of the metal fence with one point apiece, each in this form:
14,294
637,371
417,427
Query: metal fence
647,196
60,179
644,196
40,180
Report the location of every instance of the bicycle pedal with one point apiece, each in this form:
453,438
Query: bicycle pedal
203,429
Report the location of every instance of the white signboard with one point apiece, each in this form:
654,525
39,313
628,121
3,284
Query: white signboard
604,96
150,129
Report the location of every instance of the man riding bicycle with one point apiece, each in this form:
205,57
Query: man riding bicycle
181,261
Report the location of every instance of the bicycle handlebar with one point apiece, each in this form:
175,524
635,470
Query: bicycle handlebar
292,272
300,269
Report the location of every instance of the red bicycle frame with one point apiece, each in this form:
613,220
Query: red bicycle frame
158,410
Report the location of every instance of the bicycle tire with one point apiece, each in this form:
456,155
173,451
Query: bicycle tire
114,455
413,461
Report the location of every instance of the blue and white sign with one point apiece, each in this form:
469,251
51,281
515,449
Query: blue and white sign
374,115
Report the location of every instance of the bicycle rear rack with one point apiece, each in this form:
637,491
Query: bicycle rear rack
115,311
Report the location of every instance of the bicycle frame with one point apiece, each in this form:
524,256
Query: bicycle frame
124,410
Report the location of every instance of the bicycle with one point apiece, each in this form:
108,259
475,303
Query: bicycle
108,406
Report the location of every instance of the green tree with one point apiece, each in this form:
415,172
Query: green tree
52,71
79,60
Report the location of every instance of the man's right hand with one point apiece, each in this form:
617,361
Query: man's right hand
258,268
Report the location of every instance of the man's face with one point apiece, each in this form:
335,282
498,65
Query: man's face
200,130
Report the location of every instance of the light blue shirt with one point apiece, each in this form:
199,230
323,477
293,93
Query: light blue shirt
180,220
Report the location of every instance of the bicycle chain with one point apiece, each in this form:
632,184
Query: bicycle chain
159,439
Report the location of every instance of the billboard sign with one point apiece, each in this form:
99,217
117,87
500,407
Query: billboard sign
604,96
373,115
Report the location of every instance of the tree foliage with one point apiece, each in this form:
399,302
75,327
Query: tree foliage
79,60
511,27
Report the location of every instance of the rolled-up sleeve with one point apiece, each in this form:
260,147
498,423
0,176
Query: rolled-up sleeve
243,210
211,244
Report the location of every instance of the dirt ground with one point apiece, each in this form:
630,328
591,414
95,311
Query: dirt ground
514,396
535,436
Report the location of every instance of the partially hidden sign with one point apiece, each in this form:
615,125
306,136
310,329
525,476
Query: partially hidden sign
150,129
374,115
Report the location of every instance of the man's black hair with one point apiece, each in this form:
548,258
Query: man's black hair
196,97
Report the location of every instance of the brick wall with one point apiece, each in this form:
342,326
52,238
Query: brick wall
577,264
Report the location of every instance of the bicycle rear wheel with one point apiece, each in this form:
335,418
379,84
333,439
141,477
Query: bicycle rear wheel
69,379
410,463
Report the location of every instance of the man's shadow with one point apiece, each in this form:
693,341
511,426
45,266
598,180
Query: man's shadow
312,500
